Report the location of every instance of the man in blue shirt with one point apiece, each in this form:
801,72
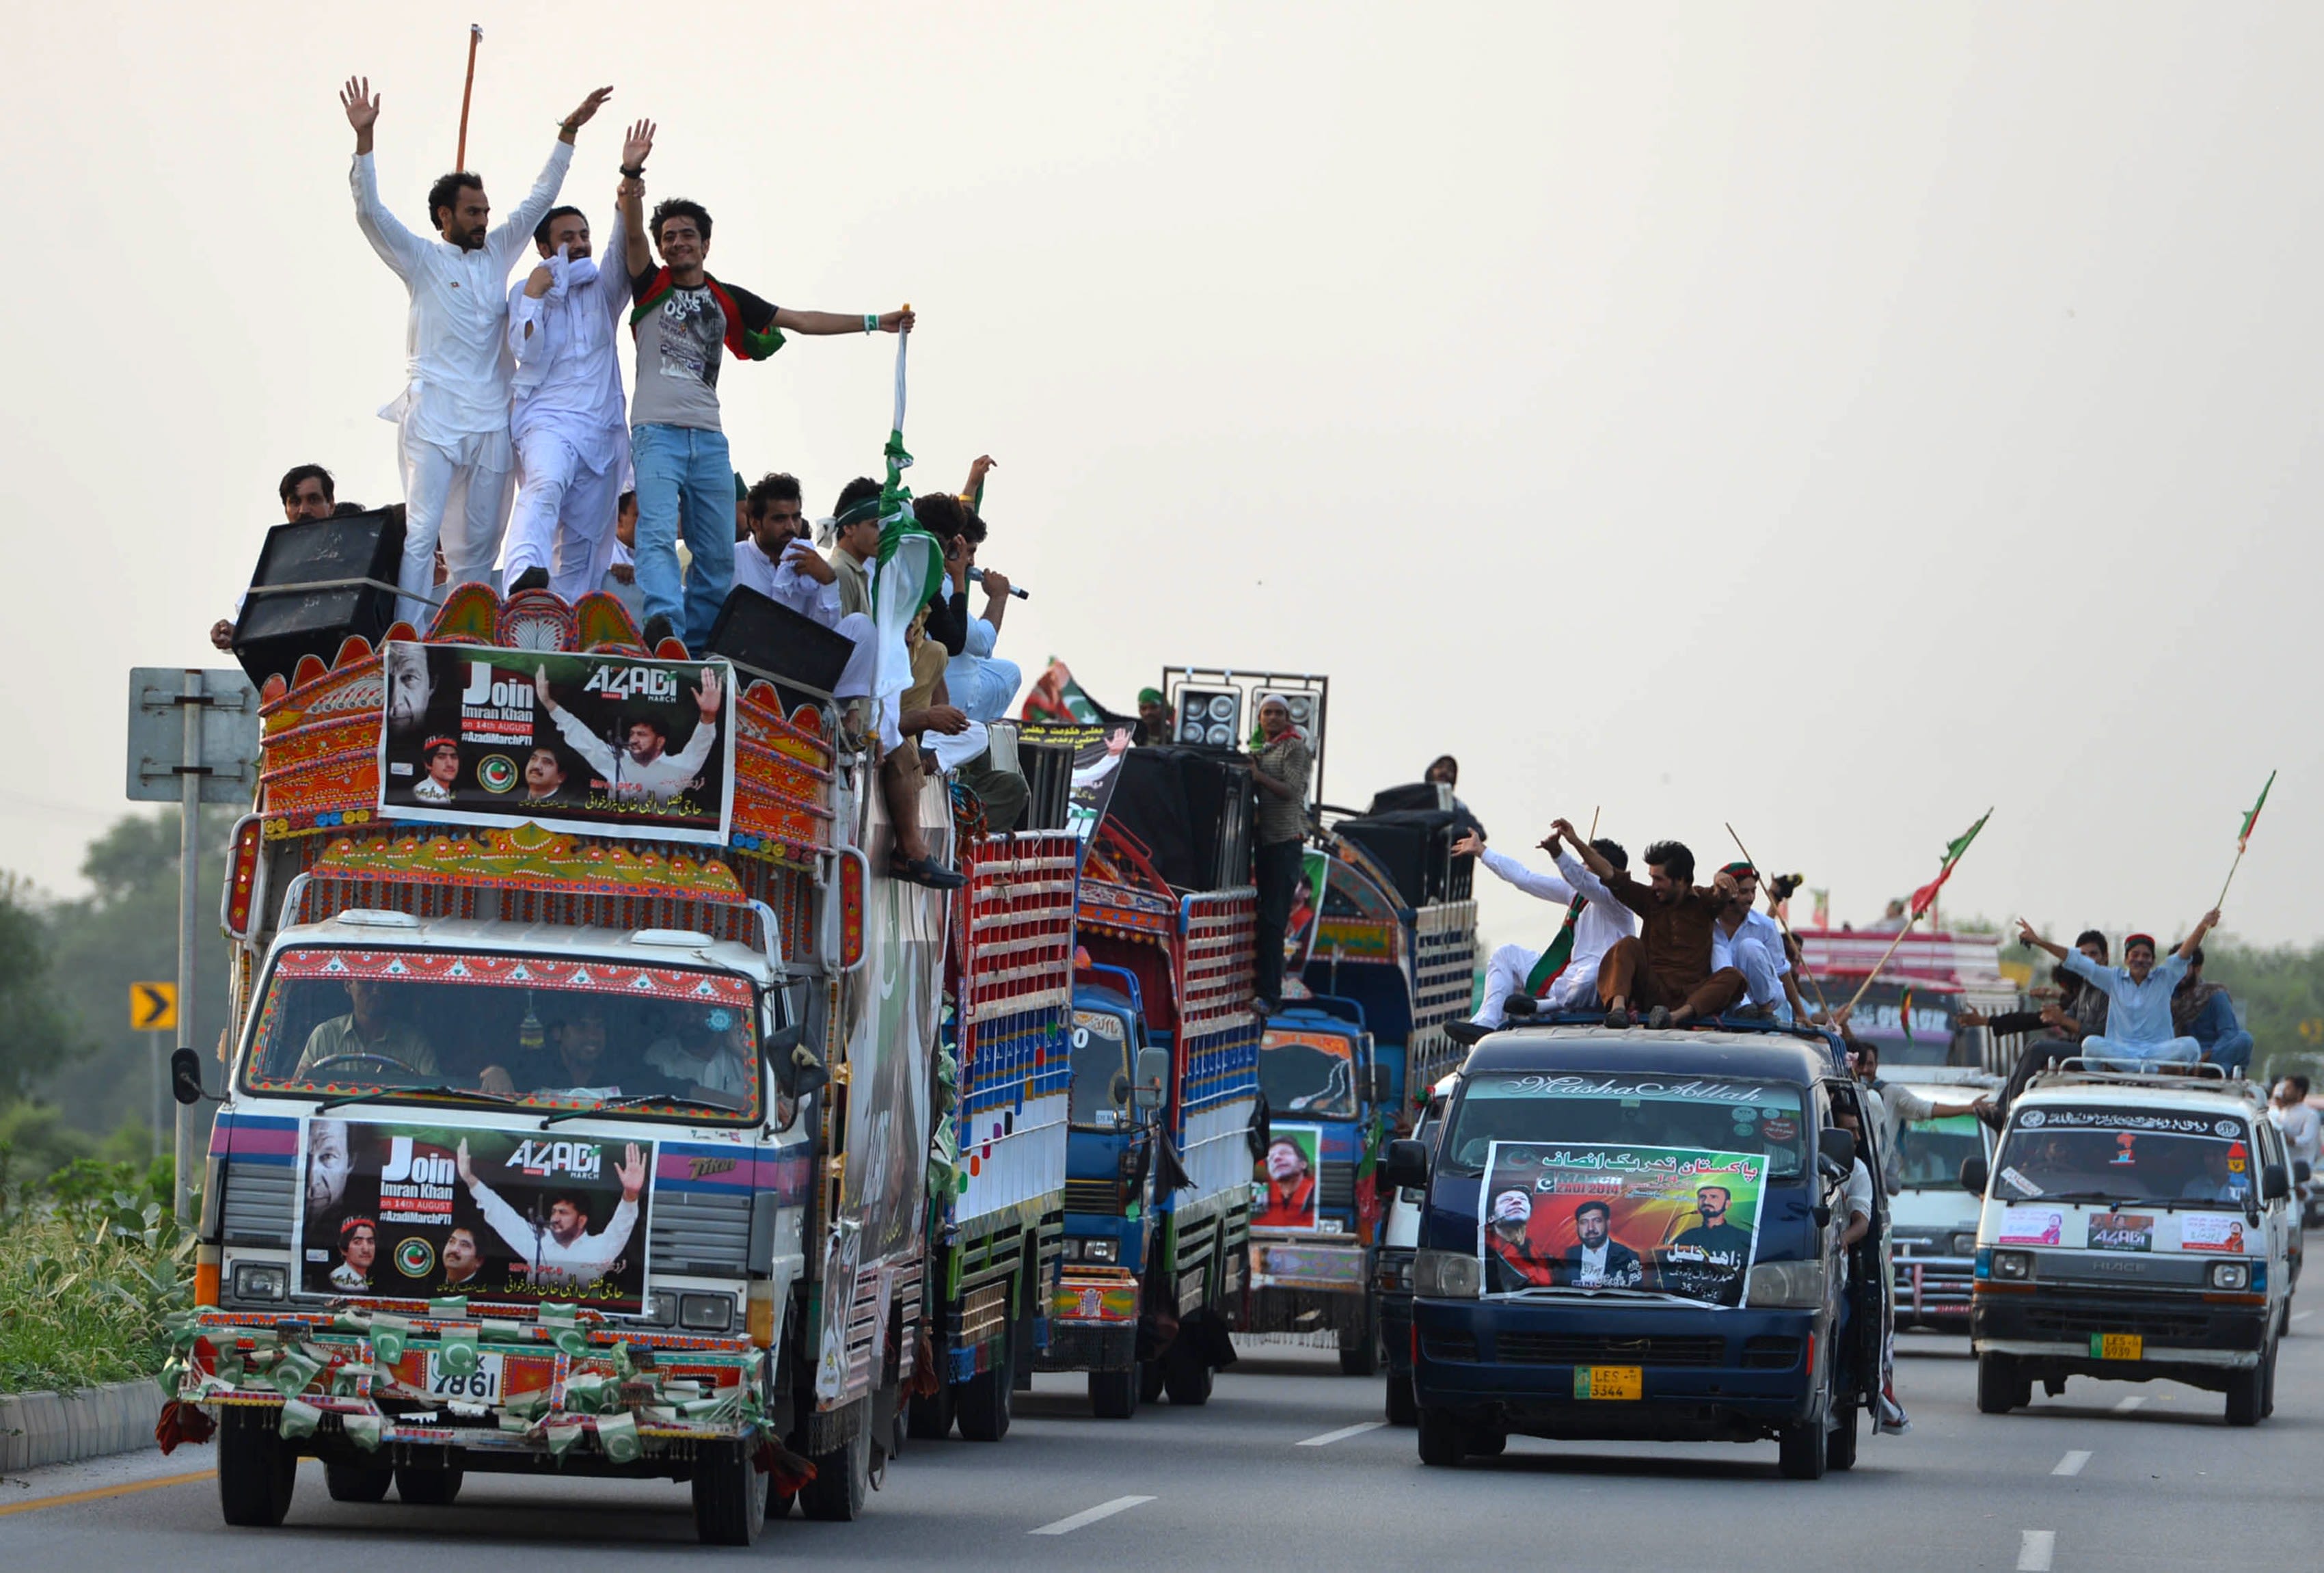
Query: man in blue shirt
2139,1030
2203,1012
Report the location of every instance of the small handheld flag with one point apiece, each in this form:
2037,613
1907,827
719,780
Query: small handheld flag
2243,836
1926,896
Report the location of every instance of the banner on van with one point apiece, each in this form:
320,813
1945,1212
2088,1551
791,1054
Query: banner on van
413,1211
1567,1215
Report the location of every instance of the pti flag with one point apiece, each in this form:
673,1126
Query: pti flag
1926,896
2243,837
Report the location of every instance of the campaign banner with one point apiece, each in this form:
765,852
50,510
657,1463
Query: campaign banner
608,744
1575,1216
1288,1194
1097,767
410,1210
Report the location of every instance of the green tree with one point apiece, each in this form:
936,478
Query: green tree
38,1036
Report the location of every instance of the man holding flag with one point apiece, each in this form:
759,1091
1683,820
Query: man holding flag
2139,1030
1566,972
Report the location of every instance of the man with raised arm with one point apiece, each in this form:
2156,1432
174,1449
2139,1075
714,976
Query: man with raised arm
572,438
1667,966
452,417
683,321
2139,1030
1565,972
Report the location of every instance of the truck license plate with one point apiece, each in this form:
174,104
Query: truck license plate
1609,1382
2117,1346
481,1385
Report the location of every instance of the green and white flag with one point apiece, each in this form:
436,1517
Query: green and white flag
910,564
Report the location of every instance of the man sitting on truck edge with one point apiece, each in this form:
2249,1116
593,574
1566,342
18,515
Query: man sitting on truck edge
1565,972
2139,1031
1667,966
1752,942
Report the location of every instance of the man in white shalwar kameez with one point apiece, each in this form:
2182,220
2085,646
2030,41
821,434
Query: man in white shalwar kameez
1594,920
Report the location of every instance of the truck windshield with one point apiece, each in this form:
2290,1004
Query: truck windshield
1694,1114
1929,1152
2094,1153
1309,1073
544,1033
1101,1095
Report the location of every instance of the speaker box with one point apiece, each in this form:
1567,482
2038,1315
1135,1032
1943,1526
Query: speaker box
1419,795
1414,846
1048,771
318,581
1192,808
763,638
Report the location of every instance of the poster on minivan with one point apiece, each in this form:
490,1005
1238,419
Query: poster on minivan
415,1211
1576,1216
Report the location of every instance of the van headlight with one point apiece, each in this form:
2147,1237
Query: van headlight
2231,1275
1784,1286
2017,1265
1447,1275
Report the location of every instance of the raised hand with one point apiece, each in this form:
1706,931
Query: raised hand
2025,933
1468,845
468,1174
632,1173
582,115
705,696
898,321
638,145
363,110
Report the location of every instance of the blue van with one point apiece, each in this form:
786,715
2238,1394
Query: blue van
1639,1235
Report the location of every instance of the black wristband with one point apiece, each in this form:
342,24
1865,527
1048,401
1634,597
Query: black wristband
635,174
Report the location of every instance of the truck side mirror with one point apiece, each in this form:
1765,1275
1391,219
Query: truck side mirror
1975,1175
1153,1077
1405,1164
2275,1184
798,1071
186,1075
1379,1084
1838,1145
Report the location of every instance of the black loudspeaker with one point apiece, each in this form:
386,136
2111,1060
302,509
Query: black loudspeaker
318,581
1420,795
1048,771
1414,846
1191,810
763,638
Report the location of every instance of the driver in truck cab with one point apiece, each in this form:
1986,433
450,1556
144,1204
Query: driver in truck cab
367,1032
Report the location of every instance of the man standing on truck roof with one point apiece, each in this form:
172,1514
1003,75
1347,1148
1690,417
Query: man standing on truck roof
2139,1030
1279,769
560,1250
1667,966
452,417
1565,972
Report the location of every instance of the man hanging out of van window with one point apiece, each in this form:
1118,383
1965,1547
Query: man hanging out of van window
2139,1030
1667,966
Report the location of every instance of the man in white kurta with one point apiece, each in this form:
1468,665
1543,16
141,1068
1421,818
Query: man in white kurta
1598,921
642,769
559,1249
452,417
568,422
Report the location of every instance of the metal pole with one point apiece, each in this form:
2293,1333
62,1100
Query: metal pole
157,1098
190,814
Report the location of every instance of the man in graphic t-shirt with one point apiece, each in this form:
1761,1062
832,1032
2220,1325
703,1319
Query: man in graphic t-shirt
684,321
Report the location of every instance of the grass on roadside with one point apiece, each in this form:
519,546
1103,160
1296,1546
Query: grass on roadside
84,1290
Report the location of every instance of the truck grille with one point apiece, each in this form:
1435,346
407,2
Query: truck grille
691,1232
1449,1346
1102,1196
1582,1350
260,1201
1337,1185
1770,1352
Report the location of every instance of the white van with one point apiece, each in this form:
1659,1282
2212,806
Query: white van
2134,1227
1931,1226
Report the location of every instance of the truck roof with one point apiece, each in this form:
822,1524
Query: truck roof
1770,1056
378,930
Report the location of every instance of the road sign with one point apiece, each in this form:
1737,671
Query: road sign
153,1007
224,744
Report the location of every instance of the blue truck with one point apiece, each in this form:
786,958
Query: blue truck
1639,1235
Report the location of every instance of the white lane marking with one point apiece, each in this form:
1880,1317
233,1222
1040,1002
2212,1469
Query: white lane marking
2301,1316
1342,1434
1090,1515
2071,1464
2034,1550
2133,1401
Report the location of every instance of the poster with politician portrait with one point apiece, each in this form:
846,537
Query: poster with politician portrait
1574,1216
1288,1190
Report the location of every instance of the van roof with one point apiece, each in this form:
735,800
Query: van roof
1762,1056
2136,1091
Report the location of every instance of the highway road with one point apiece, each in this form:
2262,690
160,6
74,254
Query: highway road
1288,1464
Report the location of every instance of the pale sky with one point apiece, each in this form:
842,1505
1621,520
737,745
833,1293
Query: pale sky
1832,418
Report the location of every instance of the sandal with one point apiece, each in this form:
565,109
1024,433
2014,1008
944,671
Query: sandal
923,871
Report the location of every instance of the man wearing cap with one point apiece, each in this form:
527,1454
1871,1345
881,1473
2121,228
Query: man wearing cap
1752,942
443,757
1565,973
1154,724
2139,1030
1279,769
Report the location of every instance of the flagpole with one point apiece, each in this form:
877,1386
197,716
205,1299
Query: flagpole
475,37
1784,924
1909,922
2239,863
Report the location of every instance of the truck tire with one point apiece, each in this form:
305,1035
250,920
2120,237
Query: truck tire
257,1470
983,1402
1149,1381
358,1482
1360,1352
2000,1386
1113,1394
730,1495
1403,1409
2267,1394
1443,1440
843,1480
2247,1393
425,1487
1839,1442
928,1416
1800,1451
1186,1377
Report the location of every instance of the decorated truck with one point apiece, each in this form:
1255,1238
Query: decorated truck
580,1081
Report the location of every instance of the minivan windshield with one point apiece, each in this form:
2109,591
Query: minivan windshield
1929,1152
2091,1152
541,1033
1677,1112
1308,1074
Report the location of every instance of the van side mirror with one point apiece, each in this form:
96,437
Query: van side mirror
1405,1164
1838,1146
1153,1079
2275,1184
1379,1085
186,1075
2302,1172
1976,1174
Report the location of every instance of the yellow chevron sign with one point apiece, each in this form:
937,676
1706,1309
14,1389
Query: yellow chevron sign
153,1007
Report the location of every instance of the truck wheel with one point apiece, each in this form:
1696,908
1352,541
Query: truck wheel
1403,1409
2247,1394
1801,1451
1149,1381
2268,1396
1839,1442
1113,1394
928,1416
730,1495
256,1471
1186,1377
2000,1386
984,1401
358,1482
1442,1440
426,1488
843,1479
1360,1353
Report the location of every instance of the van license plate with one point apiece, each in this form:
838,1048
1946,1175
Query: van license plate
481,1385
2117,1346
1609,1382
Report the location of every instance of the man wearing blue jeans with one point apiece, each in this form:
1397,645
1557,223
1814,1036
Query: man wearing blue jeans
2139,1031
683,321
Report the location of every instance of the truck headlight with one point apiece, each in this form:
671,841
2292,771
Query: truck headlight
1965,1244
1447,1275
2013,1264
1072,1249
1100,1250
706,1313
2231,1275
260,1281
1784,1286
